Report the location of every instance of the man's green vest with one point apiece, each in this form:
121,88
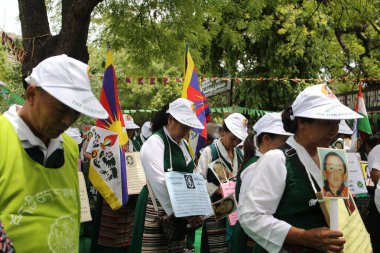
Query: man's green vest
39,207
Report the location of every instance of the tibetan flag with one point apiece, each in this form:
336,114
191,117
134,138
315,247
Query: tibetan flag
192,90
107,167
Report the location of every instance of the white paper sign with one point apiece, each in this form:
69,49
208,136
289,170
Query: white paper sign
188,194
136,178
356,181
85,214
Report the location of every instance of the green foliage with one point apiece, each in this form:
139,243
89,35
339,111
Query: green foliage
250,38
10,74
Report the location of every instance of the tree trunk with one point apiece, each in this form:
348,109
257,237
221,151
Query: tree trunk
38,42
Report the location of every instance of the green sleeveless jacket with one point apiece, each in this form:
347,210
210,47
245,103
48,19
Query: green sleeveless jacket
39,207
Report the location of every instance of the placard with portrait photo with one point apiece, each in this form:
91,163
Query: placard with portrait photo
334,169
224,207
220,170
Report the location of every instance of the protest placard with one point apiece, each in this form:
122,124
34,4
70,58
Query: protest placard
188,194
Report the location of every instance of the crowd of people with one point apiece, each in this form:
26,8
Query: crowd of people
283,188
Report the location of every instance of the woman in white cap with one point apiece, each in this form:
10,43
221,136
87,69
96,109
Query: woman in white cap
234,131
164,151
130,127
269,134
146,132
278,206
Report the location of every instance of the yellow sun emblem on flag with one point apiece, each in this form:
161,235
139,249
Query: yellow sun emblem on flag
94,153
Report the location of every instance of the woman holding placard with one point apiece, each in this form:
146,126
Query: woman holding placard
280,205
164,151
269,134
225,151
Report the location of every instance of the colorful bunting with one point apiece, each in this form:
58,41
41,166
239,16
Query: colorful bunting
8,42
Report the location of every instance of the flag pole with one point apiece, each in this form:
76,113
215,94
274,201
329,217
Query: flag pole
186,51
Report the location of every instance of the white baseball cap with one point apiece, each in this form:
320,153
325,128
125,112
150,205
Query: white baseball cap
183,110
75,134
129,123
237,124
270,123
146,129
318,102
344,128
66,79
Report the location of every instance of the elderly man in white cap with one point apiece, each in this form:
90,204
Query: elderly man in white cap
130,127
280,205
146,132
39,197
234,131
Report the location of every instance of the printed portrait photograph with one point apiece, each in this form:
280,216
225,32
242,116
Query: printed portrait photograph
221,171
334,169
130,160
189,182
224,207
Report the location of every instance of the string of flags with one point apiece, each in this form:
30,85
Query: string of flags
8,42
228,109
165,80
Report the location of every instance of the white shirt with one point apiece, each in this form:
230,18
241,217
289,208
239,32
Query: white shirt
261,192
206,158
90,145
130,145
152,159
27,137
374,164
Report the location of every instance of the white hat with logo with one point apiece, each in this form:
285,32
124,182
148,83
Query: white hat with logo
129,123
183,110
344,128
146,129
270,123
67,80
318,102
237,124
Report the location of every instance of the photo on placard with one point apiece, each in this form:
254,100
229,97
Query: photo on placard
189,181
130,160
220,170
334,170
224,207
